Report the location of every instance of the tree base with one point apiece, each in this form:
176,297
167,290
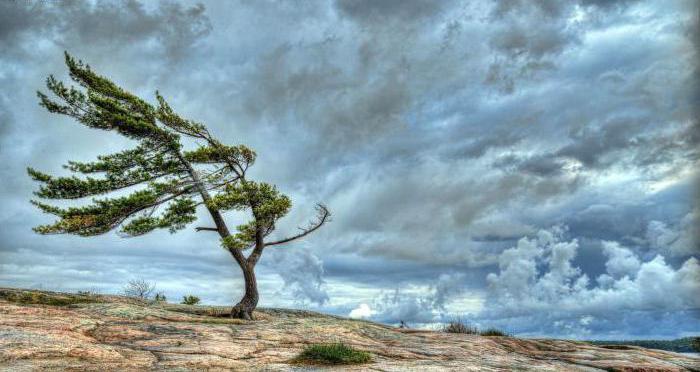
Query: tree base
242,312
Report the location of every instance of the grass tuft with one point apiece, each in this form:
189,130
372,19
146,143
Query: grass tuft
332,354
460,326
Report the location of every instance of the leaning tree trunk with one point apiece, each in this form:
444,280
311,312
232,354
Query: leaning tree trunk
244,308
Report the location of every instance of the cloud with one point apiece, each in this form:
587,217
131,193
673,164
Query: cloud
415,305
621,261
539,290
104,23
377,12
683,240
302,274
438,133
362,311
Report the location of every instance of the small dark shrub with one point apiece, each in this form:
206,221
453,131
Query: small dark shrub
332,354
190,300
493,332
160,297
695,343
459,326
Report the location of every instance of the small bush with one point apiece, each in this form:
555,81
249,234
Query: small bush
459,326
160,297
139,288
493,332
332,354
695,343
190,300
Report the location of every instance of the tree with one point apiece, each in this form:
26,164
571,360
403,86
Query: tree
139,288
190,300
160,182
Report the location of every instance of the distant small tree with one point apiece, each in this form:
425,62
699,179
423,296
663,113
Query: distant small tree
160,297
190,300
160,173
139,288
459,326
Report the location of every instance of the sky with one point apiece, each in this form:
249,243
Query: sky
526,165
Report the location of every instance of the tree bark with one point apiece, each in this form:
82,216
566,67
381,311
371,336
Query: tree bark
244,308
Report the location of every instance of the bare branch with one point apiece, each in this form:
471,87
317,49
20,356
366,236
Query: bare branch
199,228
323,216
139,288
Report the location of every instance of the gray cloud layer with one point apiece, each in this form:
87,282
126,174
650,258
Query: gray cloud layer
440,134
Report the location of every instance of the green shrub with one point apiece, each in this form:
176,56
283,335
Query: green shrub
332,354
695,343
459,326
493,332
190,300
160,297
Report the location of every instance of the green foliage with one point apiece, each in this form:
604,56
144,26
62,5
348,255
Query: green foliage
170,119
267,205
695,343
176,217
105,214
160,297
190,300
221,154
493,332
266,202
158,165
332,354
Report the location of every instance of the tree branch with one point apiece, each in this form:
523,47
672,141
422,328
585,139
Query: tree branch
199,228
324,216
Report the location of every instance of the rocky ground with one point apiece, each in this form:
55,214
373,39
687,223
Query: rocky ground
52,331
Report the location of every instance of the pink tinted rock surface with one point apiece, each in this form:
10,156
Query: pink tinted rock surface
51,331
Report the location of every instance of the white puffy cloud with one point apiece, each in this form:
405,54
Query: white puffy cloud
678,240
362,311
621,261
538,281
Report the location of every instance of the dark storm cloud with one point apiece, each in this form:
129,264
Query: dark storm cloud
376,12
439,133
103,23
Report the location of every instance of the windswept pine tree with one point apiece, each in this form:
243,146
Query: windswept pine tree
160,183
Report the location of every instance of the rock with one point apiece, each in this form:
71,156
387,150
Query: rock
98,333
